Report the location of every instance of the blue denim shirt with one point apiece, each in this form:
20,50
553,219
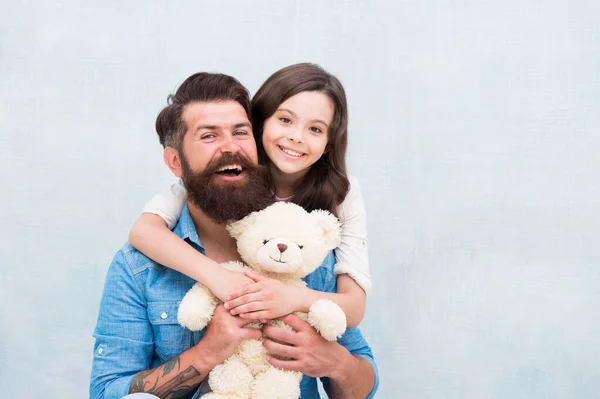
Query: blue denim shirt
137,325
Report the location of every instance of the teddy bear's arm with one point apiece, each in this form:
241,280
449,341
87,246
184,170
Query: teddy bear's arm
197,308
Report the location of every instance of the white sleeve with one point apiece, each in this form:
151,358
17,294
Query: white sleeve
352,255
168,204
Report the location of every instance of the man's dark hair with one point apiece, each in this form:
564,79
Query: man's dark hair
200,87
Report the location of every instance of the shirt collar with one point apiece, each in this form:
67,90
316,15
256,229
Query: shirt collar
185,227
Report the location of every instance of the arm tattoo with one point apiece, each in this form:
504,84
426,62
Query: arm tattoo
167,381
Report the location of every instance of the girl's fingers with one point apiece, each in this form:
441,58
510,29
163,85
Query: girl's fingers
242,300
247,308
261,315
249,289
253,276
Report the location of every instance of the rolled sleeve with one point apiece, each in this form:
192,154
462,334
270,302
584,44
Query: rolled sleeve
168,204
352,255
356,344
124,340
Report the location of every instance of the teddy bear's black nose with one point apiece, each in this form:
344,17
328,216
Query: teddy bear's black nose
281,247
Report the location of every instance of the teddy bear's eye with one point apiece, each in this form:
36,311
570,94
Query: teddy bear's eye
265,241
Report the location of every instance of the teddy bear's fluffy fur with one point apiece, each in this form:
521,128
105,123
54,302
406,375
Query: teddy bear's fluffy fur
285,242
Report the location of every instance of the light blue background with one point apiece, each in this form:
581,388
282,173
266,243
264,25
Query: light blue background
474,133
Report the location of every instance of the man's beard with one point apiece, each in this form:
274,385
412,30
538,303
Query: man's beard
224,201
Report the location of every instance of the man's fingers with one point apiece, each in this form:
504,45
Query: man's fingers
251,333
250,288
275,348
280,334
219,311
292,365
295,322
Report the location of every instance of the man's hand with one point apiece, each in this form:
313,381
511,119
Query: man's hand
265,299
309,353
227,282
222,336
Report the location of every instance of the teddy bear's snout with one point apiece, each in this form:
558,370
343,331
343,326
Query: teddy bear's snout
282,247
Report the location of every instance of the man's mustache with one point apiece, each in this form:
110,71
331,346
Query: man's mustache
228,159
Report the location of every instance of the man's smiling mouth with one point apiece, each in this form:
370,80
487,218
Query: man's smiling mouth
230,170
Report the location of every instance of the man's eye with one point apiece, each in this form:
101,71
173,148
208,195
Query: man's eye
315,130
240,133
285,120
208,136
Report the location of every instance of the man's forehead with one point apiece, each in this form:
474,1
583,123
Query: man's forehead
223,113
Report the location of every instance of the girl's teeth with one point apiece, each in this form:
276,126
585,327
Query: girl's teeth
290,152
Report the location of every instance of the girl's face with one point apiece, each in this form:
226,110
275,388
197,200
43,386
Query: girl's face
296,135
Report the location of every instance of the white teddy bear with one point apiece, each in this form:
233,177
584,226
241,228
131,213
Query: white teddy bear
285,242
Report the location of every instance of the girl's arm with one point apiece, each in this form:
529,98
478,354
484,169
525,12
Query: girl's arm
269,298
152,237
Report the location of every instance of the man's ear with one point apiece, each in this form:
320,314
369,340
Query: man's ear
172,160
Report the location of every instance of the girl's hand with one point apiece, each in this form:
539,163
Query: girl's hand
265,299
228,282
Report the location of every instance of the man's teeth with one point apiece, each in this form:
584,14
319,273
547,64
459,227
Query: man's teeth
292,153
234,167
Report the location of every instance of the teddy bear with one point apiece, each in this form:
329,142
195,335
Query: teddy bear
285,242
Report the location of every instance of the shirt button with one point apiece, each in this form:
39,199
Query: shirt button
163,315
100,350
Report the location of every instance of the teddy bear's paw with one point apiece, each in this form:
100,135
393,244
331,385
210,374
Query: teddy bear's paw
254,355
327,318
231,378
276,384
196,308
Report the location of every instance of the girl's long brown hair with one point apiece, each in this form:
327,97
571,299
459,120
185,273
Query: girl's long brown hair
326,184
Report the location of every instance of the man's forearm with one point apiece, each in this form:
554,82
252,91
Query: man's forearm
176,378
354,380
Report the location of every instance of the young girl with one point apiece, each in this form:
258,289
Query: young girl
300,125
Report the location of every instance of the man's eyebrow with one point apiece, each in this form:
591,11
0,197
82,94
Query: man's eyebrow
295,116
207,127
242,124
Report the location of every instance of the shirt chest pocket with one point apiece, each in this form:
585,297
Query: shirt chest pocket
170,338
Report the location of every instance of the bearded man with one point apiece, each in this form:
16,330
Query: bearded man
140,347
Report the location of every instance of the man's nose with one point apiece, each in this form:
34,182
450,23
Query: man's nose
230,145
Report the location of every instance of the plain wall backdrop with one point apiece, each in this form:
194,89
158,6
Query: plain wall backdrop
474,132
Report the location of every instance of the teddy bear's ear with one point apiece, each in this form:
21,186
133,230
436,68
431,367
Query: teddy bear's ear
236,229
332,230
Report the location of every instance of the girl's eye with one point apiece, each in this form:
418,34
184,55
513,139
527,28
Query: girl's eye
285,120
315,130
300,246
265,241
